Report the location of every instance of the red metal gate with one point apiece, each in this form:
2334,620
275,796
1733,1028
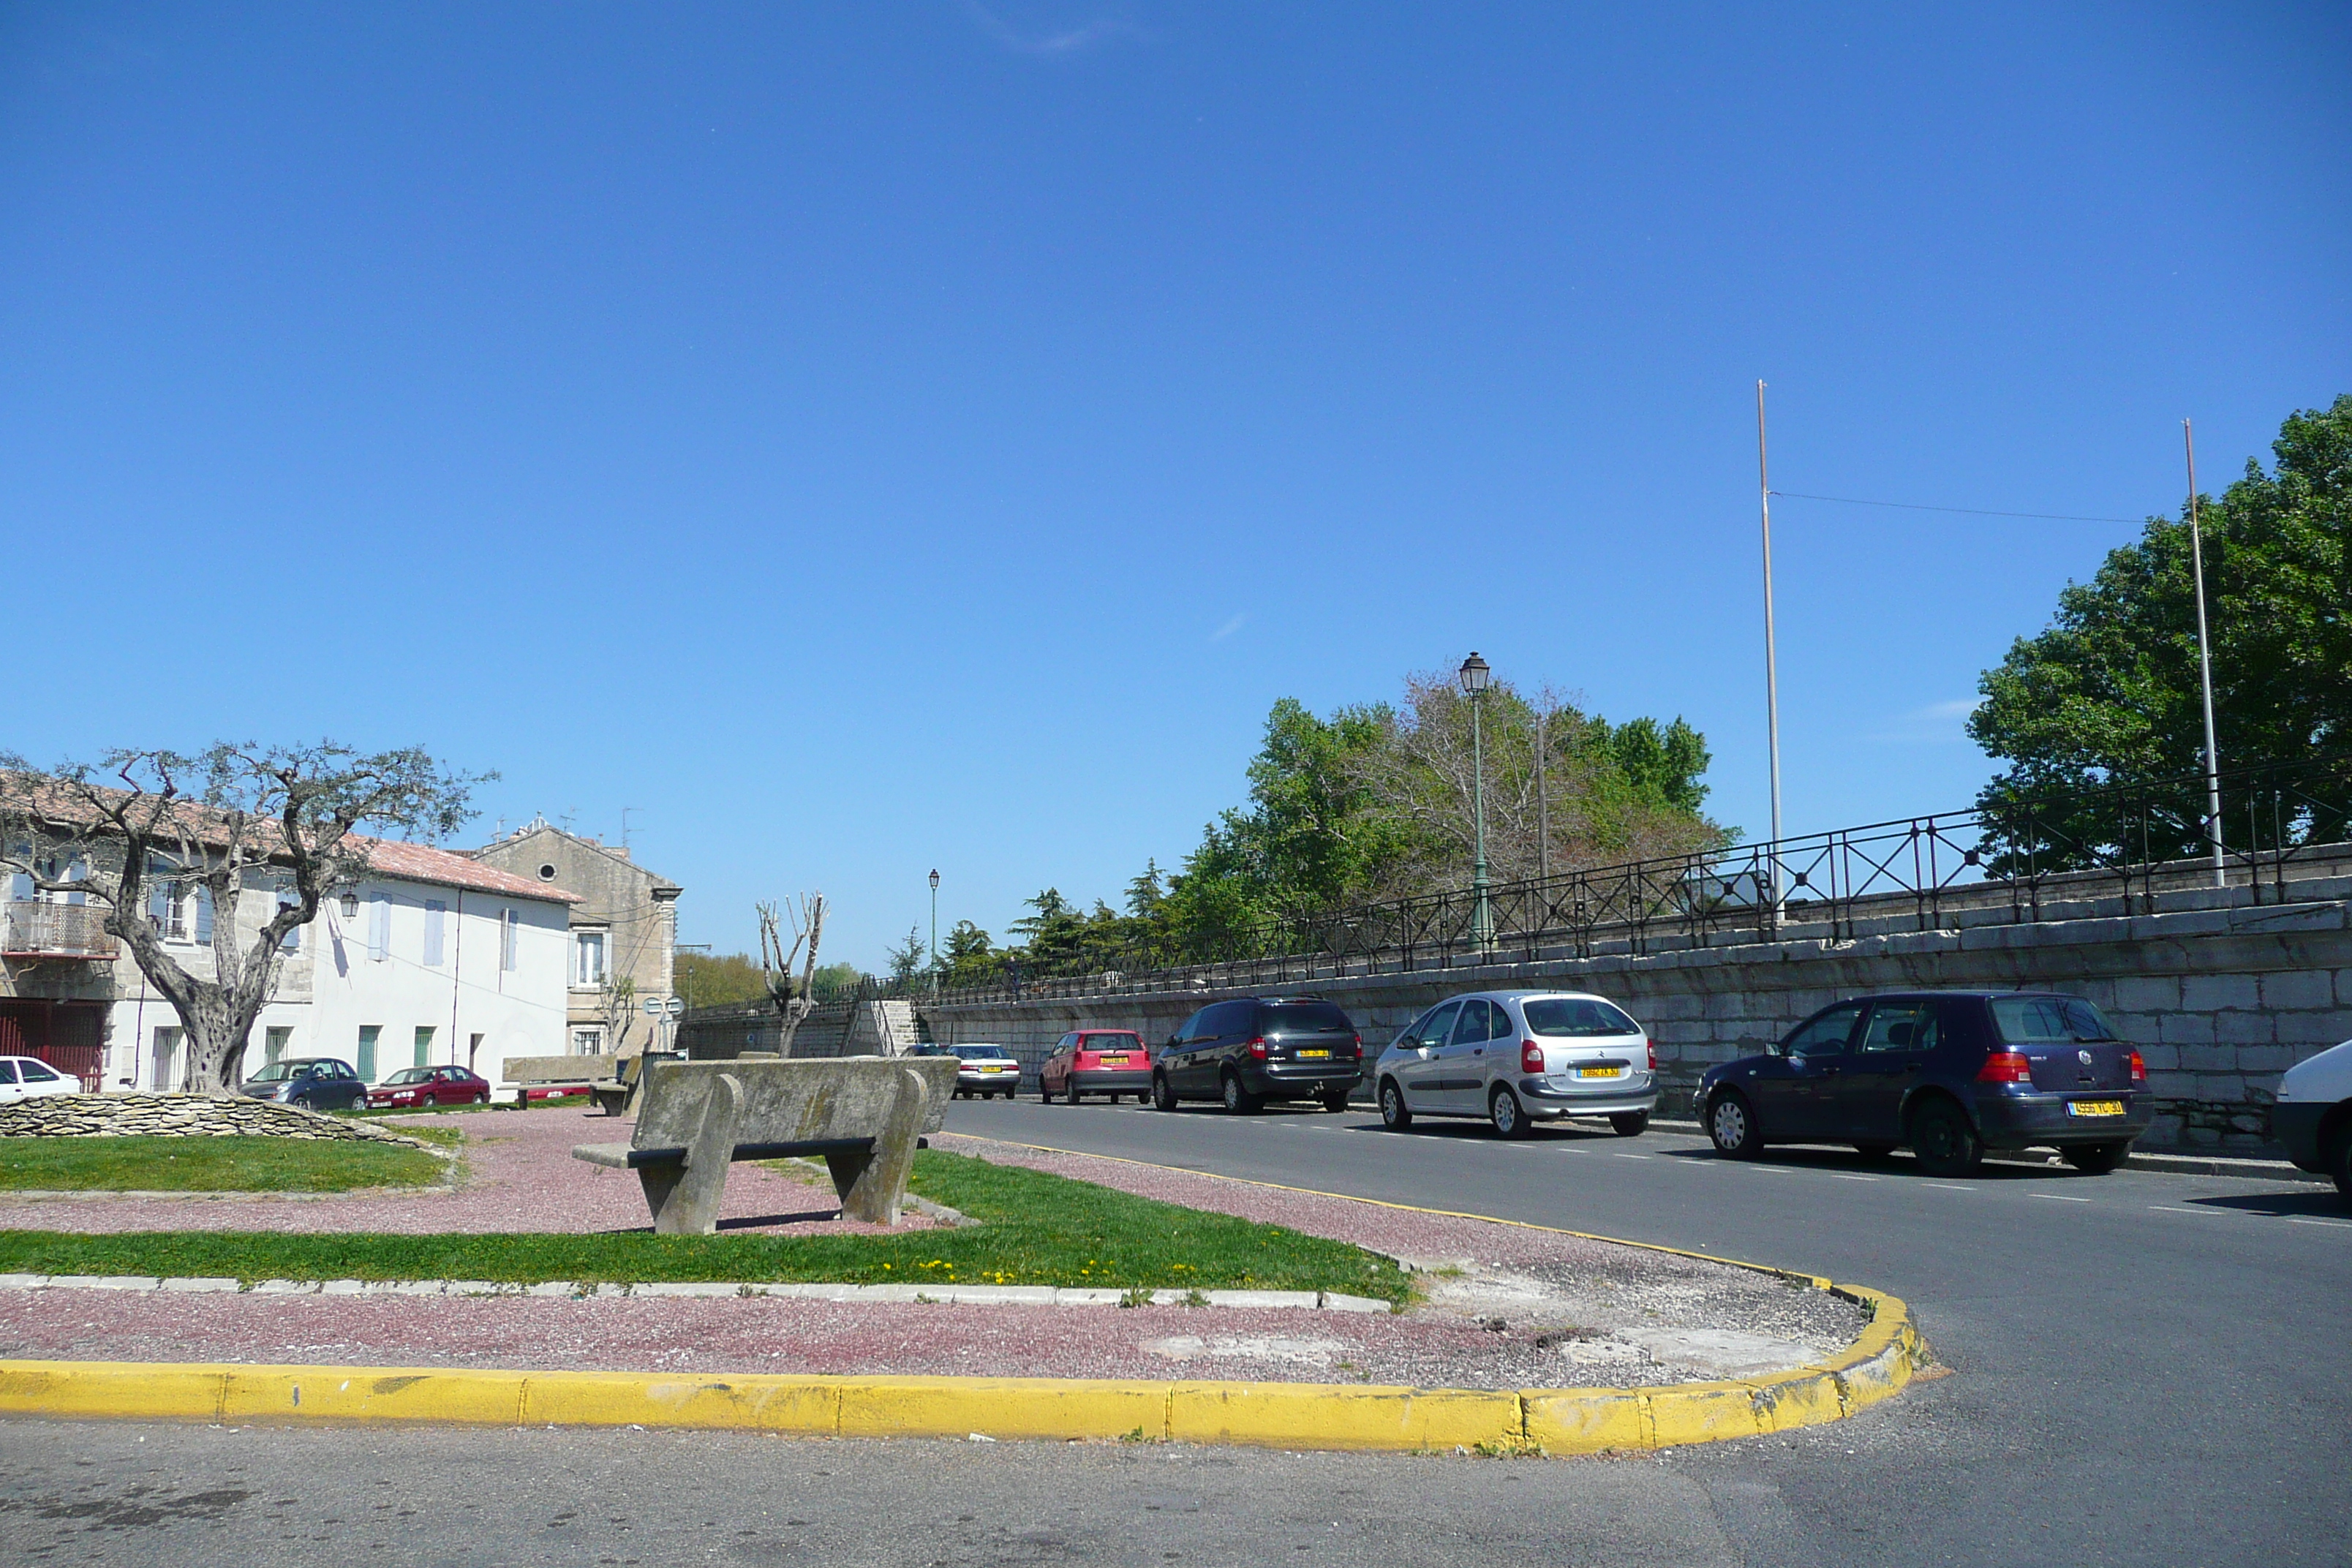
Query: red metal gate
69,1036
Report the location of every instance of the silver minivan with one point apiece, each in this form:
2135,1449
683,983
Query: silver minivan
1518,1057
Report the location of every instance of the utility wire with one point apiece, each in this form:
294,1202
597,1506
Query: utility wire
1964,510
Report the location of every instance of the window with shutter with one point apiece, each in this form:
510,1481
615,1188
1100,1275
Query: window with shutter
379,926
510,928
436,912
203,901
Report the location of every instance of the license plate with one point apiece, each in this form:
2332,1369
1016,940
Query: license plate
2094,1107
1598,1072
1112,1061
1303,1055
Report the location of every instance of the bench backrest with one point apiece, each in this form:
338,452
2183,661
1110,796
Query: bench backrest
554,1069
788,1101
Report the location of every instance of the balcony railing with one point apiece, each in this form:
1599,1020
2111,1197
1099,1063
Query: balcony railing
33,930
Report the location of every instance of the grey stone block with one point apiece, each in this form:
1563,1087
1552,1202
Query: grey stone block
343,1288
24,1281
2265,1059
1004,1295
1336,1301
2244,1029
202,1285
2148,992
1090,1298
2299,988
2186,1028
285,1287
1261,1297
2215,993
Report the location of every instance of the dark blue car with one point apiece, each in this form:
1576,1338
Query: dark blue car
314,1083
1949,1073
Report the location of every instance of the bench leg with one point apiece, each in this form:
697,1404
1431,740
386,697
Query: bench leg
684,1199
873,1186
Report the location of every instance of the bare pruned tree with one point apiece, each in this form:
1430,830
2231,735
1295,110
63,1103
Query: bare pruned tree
793,1001
282,826
616,1008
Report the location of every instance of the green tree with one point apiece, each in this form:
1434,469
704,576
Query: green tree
2108,692
719,979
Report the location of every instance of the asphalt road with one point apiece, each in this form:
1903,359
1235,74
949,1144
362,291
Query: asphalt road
2147,1369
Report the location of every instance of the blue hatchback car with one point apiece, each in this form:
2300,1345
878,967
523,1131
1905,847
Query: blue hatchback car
1949,1073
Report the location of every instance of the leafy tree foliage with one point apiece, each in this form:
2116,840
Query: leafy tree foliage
2108,693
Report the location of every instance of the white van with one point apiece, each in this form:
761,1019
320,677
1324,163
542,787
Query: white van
2313,1116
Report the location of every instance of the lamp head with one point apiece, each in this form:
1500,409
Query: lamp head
1474,675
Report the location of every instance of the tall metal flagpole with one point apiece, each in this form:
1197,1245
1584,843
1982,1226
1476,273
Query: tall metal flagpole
2205,669
1772,650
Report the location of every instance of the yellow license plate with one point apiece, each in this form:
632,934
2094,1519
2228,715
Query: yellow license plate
1314,1053
1598,1072
2094,1107
1113,1061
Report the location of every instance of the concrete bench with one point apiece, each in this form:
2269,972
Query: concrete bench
864,1114
614,1094
540,1077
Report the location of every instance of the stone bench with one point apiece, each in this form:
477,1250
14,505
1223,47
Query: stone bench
545,1077
864,1114
614,1094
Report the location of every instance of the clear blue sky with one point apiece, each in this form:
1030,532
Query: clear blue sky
871,437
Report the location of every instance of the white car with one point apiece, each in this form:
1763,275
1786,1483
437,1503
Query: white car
1518,1057
2313,1116
29,1077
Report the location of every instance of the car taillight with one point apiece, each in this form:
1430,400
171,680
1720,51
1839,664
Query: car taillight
2139,1068
1258,1049
1651,1047
1359,1044
2006,1067
1531,1057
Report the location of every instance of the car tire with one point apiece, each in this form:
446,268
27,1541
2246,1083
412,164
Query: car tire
1944,1141
1732,1128
1070,1095
2096,1159
1045,1095
1396,1114
1163,1098
1629,1124
303,1103
1874,1150
1238,1100
1337,1104
1505,1114
2340,1165
483,1098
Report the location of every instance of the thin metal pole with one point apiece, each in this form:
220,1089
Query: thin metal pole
1772,651
1480,929
2205,669
1543,806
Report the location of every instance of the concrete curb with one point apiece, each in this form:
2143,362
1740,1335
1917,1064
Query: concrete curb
943,1295
2152,1160
1558,1421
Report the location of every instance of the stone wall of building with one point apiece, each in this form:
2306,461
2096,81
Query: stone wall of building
2221,993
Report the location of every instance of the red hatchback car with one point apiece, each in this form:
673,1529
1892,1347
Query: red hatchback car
429,1086
1108,1062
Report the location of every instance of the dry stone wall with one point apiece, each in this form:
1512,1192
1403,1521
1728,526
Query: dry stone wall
2221,993
179,1115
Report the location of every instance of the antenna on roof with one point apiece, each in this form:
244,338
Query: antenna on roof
625,823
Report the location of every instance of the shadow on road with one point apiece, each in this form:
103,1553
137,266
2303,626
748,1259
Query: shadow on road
2318,1202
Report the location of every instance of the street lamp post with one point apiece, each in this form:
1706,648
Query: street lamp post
1474,676
935,932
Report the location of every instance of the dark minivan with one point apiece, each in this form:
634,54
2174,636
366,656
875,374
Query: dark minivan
1259,1048
1951,1074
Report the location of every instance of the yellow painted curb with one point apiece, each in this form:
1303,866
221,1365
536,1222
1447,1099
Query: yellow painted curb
1264,1414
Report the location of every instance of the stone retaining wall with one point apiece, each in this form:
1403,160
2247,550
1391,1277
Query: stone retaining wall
2221,996
181,1116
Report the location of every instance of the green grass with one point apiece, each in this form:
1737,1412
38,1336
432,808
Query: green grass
210,1165
1034,1229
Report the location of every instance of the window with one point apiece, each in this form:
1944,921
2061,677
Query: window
37,1072
1825,1036
275,1043
509,927
587,1042
547,873
20,883
287,899
436,918
204,902
588,958
1477,1024
379,926
2048,1020
1572,1017
369,1033
1430,1030
1901,1027
424,1045
7,1071
165,1072
1303,1018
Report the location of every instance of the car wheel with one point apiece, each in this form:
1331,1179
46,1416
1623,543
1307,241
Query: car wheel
1396,1114
1337,1103
1873,1151
1943,1139
1071,1094
2095,1159
1509,1117
1162,1096
1629,1124
1045,1095
2340,1166
303,1103
1238,1100
1731,1126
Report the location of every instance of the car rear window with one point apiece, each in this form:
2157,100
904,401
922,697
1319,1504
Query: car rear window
1573,1015
1118,1041
980,1053
1304,1018
2048,1020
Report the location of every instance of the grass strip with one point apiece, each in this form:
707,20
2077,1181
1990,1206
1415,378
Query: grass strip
1034,1229
237,1164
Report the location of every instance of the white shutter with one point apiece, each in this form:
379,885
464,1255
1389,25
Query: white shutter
379,926
203,914
434,911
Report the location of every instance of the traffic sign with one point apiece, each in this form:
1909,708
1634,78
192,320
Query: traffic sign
652,1006
673,1009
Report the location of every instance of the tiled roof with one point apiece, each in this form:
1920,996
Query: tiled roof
421,863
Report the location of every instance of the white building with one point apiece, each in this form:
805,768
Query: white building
434,958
